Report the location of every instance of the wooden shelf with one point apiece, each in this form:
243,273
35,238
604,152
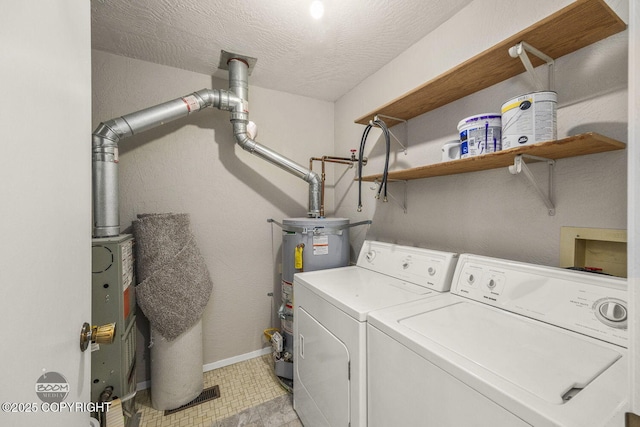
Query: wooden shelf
578,145
578,25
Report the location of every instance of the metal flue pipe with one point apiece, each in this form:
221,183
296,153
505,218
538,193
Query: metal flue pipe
238,84
106,136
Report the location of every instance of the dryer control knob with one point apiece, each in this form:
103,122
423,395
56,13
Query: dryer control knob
431,271
370,255
613,311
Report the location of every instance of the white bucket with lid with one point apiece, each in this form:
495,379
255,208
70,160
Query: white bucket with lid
529,118
480,134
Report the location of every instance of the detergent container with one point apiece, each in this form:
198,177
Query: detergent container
529,119
480,134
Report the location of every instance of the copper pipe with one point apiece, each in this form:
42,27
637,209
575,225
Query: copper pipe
331,159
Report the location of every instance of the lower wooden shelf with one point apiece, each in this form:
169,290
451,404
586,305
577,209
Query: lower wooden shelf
573,146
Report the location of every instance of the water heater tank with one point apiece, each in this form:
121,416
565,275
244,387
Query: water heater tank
308,244
325,240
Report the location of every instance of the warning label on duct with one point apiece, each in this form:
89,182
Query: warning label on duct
320,245
192,103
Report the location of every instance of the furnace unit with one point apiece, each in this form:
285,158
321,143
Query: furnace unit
113,301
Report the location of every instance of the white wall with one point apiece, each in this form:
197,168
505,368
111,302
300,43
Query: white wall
492,212
45,199
634,204
194,166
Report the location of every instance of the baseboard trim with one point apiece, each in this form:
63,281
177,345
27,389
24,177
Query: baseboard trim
236,359
219,364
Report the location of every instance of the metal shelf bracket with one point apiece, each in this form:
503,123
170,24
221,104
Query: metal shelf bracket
520,166
404,148
520,50
403,203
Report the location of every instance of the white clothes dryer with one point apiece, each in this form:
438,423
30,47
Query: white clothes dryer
512,344
330,312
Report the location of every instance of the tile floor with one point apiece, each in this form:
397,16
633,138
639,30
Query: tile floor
250,395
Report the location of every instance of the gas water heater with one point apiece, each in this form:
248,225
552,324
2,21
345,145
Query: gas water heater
308,244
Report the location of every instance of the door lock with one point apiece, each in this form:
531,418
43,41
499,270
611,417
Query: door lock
104,334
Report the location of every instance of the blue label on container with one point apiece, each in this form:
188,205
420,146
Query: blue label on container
464,148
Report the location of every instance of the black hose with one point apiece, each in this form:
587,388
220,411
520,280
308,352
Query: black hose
385,173
363,140
383,184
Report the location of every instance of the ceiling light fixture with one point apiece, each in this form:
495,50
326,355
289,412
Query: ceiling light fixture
316,9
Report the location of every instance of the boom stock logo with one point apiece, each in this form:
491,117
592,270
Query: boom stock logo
52,387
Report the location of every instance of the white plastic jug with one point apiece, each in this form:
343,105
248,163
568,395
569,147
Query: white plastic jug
451,151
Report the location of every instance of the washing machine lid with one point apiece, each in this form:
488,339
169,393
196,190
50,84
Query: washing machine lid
547,361
357,291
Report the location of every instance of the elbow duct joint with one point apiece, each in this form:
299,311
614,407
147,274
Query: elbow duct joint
106,136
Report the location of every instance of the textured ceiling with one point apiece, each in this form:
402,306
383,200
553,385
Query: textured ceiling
321,59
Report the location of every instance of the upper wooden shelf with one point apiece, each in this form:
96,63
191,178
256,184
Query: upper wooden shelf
578,145
578,25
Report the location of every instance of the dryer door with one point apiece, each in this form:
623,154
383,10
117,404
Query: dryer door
322,370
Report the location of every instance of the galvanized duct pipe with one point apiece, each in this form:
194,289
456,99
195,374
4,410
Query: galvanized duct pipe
107,135
238,84
105,138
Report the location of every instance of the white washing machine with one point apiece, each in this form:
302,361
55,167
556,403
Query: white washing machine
512,344
331,307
